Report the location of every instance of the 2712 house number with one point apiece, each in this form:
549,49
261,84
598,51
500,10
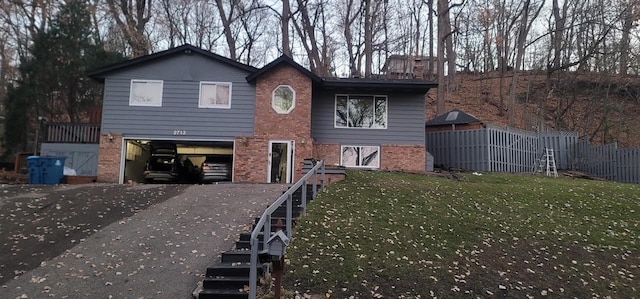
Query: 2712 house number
179,132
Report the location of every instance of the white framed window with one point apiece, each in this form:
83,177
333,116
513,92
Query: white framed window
360,156
283,99
361,111
215,95
146,93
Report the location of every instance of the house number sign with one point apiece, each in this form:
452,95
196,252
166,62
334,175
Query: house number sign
179,132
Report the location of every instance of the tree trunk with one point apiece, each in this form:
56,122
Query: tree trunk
431,60
368,39
452,84
348,36
284,23
309,40
226,25
443,7
626,39
522,37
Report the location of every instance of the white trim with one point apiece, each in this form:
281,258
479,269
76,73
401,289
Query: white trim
273,99
233,161
123,152
215,84
176,139
361,167
290,158
131,103
335,108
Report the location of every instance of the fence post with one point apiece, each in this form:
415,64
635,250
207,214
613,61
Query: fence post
304,197
289,214
253,269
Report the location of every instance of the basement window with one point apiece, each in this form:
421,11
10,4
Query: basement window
360,156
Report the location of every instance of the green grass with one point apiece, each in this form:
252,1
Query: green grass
396,235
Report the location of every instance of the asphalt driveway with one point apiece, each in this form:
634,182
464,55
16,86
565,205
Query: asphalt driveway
117,241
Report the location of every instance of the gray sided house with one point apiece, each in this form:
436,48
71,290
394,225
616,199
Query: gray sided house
262,123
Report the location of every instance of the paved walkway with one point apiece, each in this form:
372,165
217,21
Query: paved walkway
159,252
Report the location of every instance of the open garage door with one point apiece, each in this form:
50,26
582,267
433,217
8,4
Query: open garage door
183,161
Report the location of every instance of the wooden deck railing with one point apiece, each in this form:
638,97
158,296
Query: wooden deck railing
72,133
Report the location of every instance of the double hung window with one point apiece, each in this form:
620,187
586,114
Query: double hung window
215,95
146,93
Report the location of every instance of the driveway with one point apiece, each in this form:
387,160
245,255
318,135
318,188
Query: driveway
117,241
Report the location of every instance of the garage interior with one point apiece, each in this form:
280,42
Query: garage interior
138,155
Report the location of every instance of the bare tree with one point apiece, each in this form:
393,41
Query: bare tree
284,26
443,8
131,18
445,45
227,18
24,20
368,38
527,16
431,43
628,18
347,21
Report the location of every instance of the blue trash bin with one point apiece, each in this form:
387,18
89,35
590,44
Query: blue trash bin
52,170
35,170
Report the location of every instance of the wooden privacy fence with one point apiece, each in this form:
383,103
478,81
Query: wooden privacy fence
609,162
499,149
504,149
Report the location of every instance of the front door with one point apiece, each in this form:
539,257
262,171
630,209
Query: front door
281,161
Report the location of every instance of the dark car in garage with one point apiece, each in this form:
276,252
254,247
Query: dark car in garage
161,166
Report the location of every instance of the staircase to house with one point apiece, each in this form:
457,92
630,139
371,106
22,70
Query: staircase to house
231,277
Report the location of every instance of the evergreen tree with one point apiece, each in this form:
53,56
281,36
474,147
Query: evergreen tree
54,82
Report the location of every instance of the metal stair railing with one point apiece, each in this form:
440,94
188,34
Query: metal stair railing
317,170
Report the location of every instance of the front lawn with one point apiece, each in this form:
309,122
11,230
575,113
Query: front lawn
390,235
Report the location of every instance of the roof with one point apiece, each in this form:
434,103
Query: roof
101,73
408,85
346,83
453,117
362,84
284,59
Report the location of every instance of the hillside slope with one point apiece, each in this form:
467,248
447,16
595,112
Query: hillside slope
601,107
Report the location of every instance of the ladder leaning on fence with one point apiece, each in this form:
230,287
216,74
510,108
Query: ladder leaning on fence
546,164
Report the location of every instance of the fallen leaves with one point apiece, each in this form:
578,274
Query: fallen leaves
488,235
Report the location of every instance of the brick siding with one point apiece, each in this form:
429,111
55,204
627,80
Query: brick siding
252,155
109,158
407,158
328,152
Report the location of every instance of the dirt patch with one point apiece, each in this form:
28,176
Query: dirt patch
38,223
